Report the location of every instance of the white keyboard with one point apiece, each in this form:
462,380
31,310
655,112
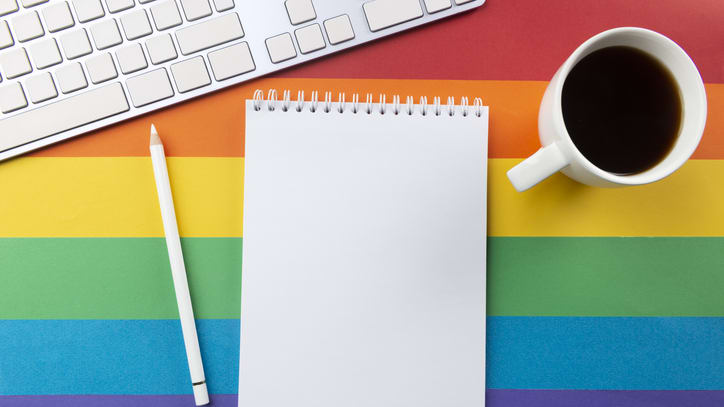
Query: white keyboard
68,67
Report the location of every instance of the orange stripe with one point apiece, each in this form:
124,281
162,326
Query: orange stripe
213,126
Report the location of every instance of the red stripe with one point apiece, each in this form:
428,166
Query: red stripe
526,40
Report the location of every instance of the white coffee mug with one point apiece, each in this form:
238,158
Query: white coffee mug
559,153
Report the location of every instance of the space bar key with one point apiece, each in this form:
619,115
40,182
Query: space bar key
63,115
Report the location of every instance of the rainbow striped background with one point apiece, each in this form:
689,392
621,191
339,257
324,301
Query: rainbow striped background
595,297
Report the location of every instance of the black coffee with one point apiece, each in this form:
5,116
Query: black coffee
622,109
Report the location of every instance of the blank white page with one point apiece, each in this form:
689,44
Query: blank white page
363,280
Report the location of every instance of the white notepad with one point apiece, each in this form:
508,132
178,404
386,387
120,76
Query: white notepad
363,280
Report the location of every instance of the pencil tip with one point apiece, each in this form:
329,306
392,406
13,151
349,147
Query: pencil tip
155,139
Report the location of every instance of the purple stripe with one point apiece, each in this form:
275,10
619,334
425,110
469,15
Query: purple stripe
182,400
605,398
495,398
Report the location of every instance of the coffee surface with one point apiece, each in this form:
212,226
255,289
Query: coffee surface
622,109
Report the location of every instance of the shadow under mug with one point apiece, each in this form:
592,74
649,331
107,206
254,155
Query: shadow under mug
559,153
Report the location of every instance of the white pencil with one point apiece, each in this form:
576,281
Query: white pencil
178,270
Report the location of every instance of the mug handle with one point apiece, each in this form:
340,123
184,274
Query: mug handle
545,162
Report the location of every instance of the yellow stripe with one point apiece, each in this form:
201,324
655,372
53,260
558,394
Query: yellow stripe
116,197
690,202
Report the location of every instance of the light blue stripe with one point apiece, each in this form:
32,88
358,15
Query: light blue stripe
113,356
147,356
613,353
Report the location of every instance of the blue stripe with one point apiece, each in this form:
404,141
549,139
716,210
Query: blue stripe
113,356
147,356
613,353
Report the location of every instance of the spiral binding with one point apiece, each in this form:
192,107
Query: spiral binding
368,107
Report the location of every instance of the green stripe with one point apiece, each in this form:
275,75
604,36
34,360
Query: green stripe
123,278
627,276
129,278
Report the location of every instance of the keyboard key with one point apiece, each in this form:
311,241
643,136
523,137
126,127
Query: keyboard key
459,2
115,6
58,17
31,3
433,6
105,34
195,9
41,87
8,6
101,68
310,38
87,10
136,24
149,87
45,53
339,29
281,48
62,115
209,33
231,61
71,78
12,98
223,5
145,1
166,15
131,58
383,14
300,11
161,49
6,39
190,74
27,26
15,63
75,44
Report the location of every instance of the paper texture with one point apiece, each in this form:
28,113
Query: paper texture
363,278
